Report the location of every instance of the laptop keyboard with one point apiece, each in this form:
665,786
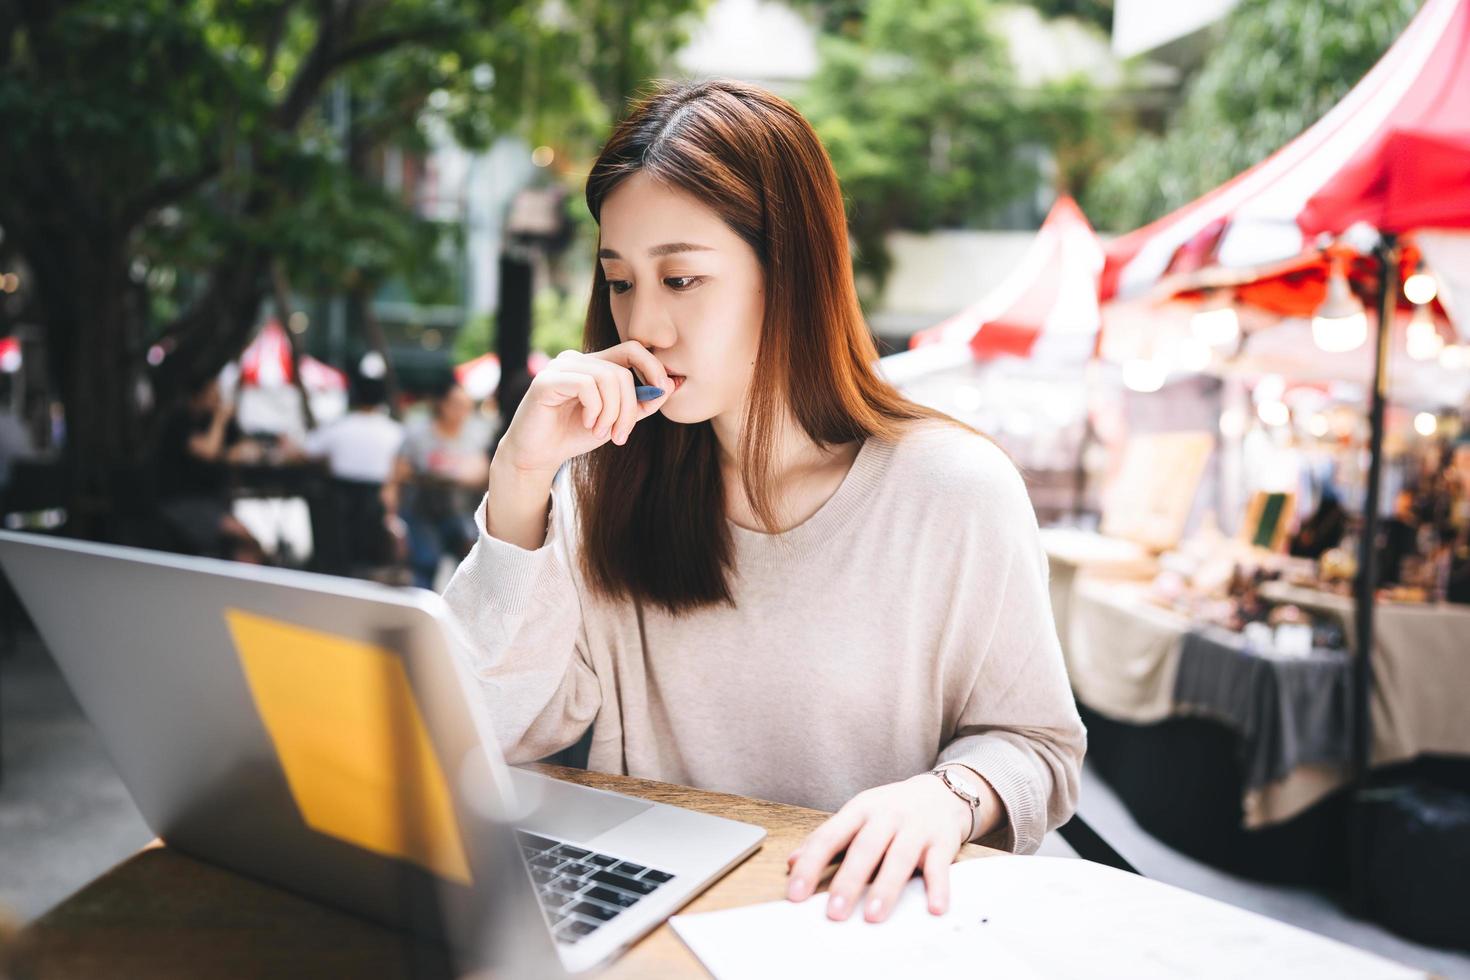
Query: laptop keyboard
580,889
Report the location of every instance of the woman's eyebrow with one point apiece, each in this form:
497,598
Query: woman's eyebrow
669,248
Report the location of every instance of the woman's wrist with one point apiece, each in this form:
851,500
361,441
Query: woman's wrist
517,504
956,807
966,817
984,818
991,815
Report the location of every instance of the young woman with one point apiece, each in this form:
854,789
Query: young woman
779,578
199,444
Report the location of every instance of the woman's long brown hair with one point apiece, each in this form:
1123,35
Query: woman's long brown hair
652,512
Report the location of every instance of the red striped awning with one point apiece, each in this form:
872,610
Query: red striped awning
266,363
1394,154
10,358
1047,308
480,376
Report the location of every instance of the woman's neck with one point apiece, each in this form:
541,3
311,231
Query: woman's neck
805,474
793,450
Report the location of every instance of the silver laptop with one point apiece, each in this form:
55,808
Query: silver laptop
327,735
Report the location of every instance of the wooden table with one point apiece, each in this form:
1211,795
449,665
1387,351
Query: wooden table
161,914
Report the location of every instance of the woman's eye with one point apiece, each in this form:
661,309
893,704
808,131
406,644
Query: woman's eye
676,283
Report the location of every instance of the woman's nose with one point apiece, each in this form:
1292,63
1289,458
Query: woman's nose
649,325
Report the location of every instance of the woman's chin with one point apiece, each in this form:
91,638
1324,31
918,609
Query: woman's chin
676,412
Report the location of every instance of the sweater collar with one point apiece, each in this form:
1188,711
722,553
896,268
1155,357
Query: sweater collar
846,503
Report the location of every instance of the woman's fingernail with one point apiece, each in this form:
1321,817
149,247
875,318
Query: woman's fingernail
797,890
875,908
837,906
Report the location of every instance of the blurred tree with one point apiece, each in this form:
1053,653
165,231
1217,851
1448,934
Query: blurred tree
917,111
557,326
1277,68
157,156
1079,123
840,17
919,108
1099,12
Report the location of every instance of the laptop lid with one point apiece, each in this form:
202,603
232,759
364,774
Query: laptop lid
307,730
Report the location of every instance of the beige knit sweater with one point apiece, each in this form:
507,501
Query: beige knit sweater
905,623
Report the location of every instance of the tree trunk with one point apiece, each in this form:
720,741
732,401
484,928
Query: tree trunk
93,329
282,289
95,325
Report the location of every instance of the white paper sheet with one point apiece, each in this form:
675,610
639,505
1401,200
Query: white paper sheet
1026,917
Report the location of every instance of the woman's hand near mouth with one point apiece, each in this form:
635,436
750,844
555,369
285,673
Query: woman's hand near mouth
575,404
580,401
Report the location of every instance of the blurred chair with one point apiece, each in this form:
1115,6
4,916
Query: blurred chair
351,536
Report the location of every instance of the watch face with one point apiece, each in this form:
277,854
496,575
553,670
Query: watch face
964,779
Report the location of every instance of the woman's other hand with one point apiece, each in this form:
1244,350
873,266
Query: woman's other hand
889,832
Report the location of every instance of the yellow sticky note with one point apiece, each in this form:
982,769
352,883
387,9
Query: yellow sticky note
349,735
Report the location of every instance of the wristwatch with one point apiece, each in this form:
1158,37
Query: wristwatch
965,783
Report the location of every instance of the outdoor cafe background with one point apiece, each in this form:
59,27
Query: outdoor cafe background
1200,392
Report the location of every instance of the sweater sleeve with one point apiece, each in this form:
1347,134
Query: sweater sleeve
527,642
1018,727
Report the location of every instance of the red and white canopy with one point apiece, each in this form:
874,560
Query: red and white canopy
1394,153
1047,309
480,376
266,363
10,359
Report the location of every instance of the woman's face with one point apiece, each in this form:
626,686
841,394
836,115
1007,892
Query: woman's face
455,407
685,286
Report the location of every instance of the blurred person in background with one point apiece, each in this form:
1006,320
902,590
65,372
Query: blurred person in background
361,448
1398,538
1323,530
198,444
442,473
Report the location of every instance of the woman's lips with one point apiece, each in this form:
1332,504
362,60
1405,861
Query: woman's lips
678,380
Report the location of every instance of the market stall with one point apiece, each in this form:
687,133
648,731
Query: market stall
1337,232
1013,363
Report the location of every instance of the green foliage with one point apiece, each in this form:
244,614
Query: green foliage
1278,67
1099,12
476,337
557,320
199,131
921,117
1074,119
160,159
